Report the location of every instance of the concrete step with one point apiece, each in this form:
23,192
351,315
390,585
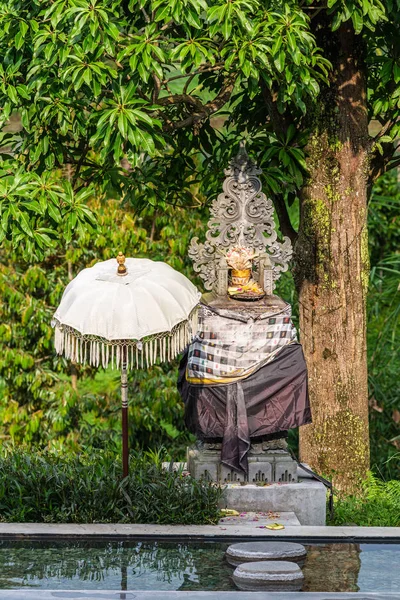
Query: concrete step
306,499
258,520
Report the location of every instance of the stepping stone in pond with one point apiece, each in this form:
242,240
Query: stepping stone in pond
274,576
238,554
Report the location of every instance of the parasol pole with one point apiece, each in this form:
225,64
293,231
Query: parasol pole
124,397
122,271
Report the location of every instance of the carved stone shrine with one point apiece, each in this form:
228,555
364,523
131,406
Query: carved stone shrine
243,378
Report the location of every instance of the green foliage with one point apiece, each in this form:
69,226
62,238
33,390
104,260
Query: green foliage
54,488
39,405
34,208
377,505
384,327
99,83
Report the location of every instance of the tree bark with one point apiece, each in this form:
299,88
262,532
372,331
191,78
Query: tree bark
332,271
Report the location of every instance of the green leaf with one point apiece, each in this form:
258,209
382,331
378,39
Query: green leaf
123,125
12,94
23,220
396,72
336,21
54,212
358,22
279,61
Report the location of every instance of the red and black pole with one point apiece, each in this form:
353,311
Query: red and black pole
124,397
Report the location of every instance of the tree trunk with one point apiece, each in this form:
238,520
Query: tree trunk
332,272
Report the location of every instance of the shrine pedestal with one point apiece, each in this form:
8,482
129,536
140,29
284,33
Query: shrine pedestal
264,467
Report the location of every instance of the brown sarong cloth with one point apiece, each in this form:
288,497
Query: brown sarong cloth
272,399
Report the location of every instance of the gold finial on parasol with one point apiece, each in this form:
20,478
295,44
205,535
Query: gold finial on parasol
122,270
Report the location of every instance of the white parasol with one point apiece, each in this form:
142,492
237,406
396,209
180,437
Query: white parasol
127,317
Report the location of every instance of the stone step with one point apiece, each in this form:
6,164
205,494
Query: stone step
237,554
257,520
275,576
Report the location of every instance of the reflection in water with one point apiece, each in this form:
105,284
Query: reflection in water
337,565
183,566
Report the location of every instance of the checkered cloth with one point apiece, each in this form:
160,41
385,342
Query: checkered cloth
226,349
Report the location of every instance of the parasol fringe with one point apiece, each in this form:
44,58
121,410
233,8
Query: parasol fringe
118,355
97,351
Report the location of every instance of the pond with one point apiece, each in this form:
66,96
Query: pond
150,565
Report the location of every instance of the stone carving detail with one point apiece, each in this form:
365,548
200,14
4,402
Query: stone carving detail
241,215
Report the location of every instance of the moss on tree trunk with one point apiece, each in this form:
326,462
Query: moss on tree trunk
332,272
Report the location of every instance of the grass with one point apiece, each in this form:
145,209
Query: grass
87,488
377,505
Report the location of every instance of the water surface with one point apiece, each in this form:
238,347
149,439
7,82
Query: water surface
185,566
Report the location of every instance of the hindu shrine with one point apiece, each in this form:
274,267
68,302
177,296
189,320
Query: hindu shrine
243,378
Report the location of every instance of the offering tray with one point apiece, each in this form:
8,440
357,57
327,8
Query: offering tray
247,296
257,309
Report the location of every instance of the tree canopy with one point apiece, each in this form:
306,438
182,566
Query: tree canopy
124,93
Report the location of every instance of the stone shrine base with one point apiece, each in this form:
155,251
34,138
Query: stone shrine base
275,482
306,499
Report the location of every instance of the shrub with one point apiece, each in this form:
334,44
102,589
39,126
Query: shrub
378,505
87,488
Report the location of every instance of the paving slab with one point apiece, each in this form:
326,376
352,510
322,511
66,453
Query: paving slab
195,532
40,594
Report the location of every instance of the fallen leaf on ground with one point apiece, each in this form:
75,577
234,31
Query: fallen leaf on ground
274,526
